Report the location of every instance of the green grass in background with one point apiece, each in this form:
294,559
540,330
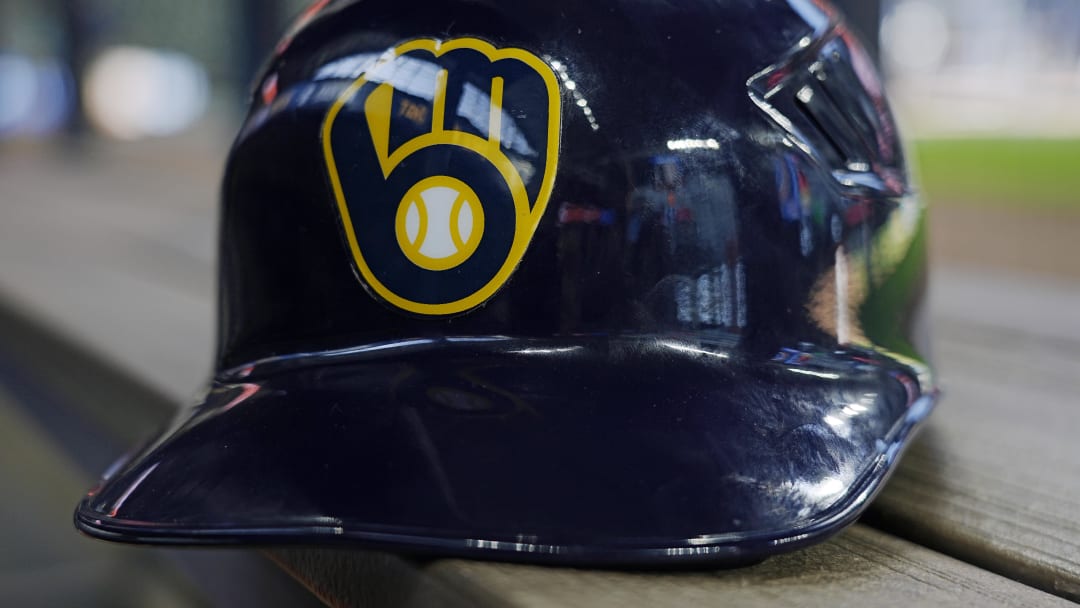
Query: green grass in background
1023,173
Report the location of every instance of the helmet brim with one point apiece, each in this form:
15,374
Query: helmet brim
682,451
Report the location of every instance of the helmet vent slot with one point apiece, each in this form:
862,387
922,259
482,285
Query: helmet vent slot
830,101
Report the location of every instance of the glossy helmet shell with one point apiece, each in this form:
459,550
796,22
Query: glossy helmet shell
585,282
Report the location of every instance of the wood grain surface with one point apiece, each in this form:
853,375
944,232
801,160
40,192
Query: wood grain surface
120,263
861,567
995,479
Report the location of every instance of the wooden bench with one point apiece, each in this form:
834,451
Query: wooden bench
106,301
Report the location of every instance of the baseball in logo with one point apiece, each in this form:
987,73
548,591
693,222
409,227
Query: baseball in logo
442,156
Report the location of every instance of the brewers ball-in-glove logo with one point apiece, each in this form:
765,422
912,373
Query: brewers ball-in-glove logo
442,157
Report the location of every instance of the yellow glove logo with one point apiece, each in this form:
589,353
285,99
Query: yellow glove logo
442,156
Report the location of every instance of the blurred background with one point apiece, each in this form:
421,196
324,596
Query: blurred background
115,119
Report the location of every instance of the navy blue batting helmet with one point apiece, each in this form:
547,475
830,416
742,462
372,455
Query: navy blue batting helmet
585,282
